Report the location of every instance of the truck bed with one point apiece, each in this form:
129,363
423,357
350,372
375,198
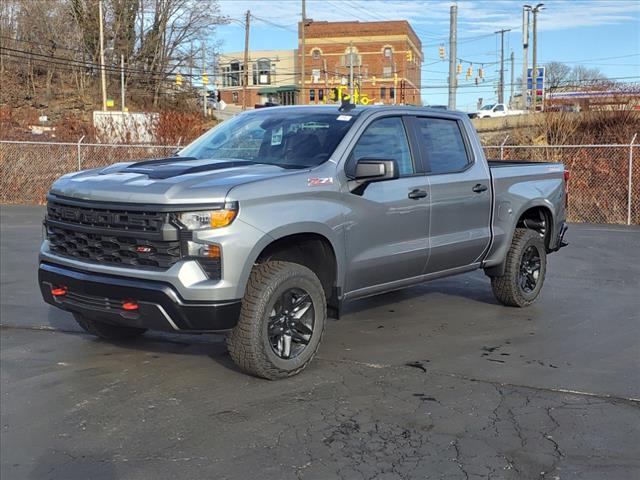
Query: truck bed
514,163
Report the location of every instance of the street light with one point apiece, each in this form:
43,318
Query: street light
525,54
534,67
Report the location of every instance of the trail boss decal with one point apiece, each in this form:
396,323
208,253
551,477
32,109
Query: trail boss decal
319,181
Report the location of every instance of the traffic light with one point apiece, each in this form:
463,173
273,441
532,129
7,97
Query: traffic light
205,79
442,52
459,69
481,72
409,55
469,72
179,80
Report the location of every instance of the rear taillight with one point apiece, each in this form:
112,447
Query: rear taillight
566,188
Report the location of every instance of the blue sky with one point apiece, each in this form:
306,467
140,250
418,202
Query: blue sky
588,32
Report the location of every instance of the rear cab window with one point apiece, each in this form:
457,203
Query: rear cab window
443,144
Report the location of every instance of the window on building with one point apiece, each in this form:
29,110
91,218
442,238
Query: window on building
315,54
388,52
315,75
383,93
234,97
387,72
232,74
444,144
225,76
262,72
312,95
385,138
392,92
321,94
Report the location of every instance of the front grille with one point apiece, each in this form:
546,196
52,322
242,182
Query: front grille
113,249
120,237
106,218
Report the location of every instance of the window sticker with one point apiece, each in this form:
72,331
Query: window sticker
276,137
344,118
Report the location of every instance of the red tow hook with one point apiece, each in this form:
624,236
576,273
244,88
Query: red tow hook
130,305
59,291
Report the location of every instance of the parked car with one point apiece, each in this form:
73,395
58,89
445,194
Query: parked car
269,223
497,110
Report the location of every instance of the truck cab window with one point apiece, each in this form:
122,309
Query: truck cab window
385,138
443,143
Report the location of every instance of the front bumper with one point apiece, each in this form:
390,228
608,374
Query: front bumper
160,306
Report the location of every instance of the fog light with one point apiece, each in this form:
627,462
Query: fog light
203,250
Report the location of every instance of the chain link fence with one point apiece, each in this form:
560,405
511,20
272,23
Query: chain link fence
29,168
604,185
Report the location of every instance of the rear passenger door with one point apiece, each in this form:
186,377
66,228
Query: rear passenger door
460,194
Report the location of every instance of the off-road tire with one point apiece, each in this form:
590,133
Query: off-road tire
506,287
107,331
248,342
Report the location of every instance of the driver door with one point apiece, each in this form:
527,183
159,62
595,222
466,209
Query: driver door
387,227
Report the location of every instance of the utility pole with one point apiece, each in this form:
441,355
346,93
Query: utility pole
191,65
122,82
534,66
204,85
351,72
245,70
102,72
326,80
453,43
525,53
512,80
395,83
303,48
501,84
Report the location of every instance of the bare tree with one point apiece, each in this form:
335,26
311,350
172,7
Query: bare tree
557,74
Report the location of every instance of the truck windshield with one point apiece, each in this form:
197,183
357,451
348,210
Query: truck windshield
284,138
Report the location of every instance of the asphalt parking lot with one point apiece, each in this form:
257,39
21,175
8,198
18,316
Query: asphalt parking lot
435,381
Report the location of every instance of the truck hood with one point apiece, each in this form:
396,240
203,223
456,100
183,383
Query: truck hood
175,180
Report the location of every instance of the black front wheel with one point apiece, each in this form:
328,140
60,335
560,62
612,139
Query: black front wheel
526,267
281,321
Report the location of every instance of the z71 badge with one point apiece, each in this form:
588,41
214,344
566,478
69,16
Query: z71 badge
319,181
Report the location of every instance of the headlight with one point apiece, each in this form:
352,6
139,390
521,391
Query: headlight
210,218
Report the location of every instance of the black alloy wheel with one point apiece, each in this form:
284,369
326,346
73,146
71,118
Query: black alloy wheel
530,266
291,323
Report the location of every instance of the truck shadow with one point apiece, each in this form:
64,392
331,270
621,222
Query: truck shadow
470,287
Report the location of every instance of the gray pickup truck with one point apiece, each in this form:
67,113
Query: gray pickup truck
265,225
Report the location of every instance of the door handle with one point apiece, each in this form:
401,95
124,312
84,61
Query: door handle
417,194
479,188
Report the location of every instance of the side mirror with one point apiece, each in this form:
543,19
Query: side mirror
376,170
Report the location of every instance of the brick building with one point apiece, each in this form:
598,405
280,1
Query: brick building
386,58
272,77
